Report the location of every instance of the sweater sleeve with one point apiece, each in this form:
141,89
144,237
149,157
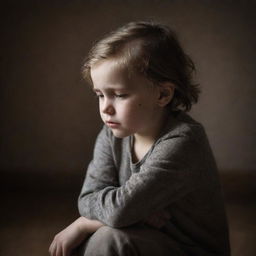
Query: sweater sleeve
101,173
169,172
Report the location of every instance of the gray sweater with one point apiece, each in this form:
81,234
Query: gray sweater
177,174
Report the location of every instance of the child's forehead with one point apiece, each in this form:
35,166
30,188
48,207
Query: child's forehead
111,72
115,75
108,67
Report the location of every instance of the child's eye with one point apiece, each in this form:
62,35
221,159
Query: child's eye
99,95
121,95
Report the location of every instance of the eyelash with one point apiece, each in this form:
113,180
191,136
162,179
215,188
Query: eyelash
99,96
116,95
121,95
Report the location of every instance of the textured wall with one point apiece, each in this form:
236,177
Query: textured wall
49,117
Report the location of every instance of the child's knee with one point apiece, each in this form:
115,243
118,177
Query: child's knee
104,236
109,241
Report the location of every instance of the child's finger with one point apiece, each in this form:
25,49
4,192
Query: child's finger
52,249
65,251
58,251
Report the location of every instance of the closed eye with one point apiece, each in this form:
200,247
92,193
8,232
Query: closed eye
99,95
121,95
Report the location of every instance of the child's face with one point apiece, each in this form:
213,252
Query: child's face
128,105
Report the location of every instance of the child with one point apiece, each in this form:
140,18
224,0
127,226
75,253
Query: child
152,186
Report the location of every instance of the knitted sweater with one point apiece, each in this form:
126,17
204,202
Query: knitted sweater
178,174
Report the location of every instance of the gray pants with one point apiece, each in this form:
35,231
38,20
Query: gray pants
130,241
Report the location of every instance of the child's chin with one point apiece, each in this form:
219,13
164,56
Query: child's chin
119,134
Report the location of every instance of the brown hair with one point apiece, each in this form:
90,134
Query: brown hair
153,50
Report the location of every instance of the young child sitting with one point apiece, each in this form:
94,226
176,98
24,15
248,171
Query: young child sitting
152,187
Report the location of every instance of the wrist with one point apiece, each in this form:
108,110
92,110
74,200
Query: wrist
88,226
82,224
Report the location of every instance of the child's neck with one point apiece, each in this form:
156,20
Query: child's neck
143,142
140,150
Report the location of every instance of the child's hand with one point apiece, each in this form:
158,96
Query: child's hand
68,239
158,219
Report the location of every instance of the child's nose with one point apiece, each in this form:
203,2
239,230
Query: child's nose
108,108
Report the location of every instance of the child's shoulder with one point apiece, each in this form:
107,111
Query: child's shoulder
180,124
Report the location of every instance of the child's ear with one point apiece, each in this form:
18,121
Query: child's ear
166,92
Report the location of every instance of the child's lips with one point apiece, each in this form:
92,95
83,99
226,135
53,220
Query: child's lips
112,124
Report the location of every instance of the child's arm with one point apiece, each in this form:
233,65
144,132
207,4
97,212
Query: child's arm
72,236
171,171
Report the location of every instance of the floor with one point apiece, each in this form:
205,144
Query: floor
30,220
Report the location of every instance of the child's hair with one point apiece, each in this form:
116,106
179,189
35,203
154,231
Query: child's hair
152,50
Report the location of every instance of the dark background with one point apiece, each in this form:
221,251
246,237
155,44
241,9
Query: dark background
49,117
